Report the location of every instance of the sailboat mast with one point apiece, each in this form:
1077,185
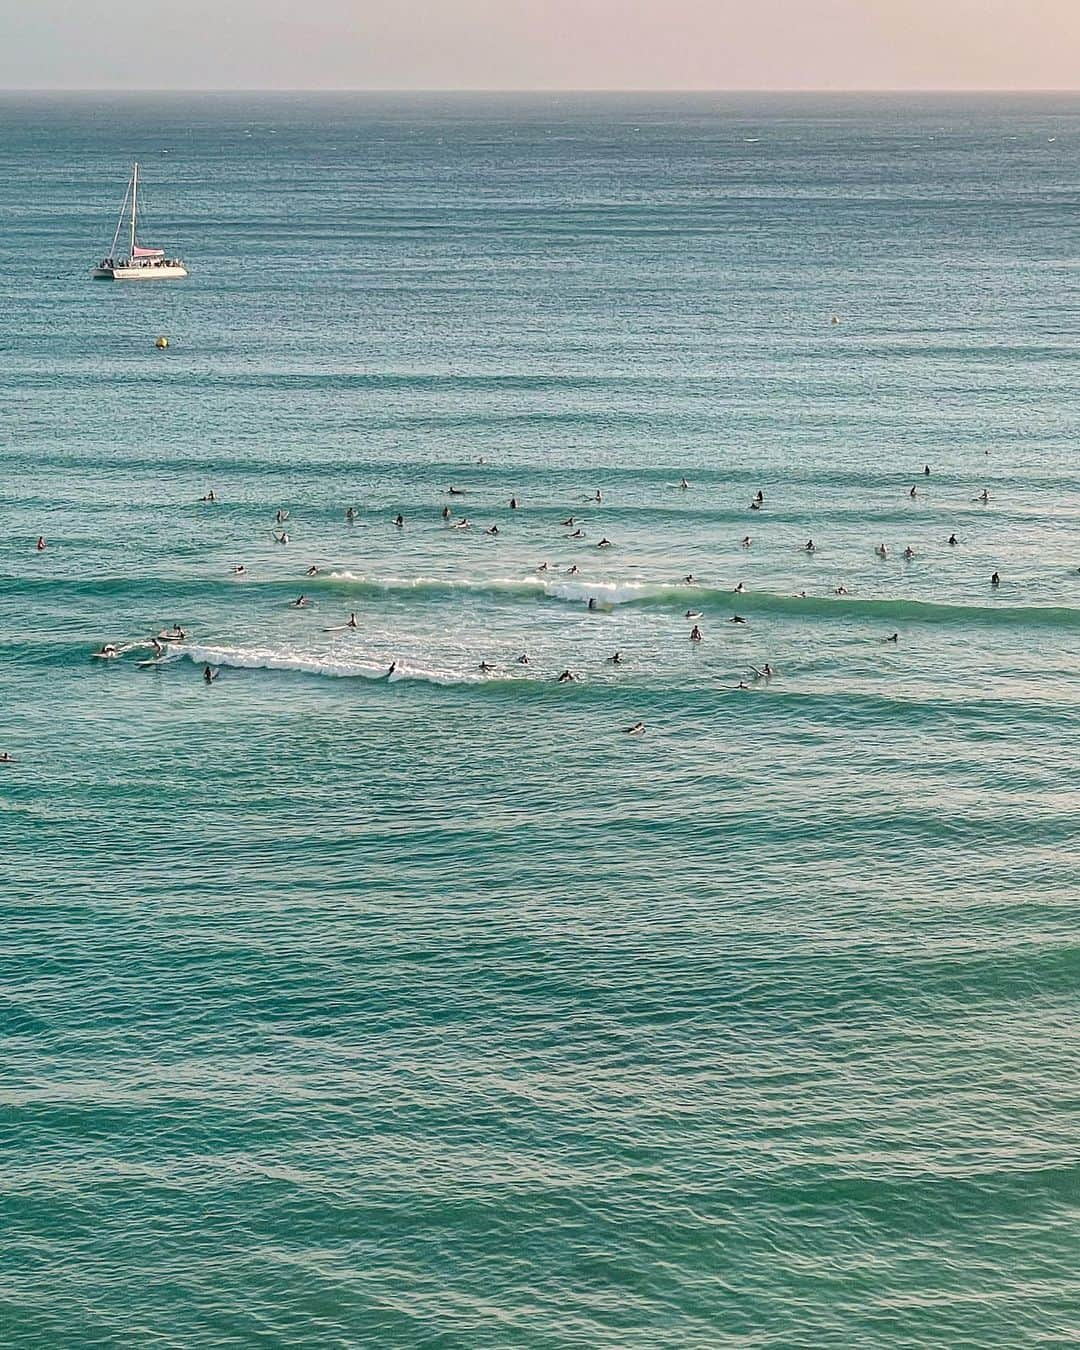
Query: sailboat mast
134,205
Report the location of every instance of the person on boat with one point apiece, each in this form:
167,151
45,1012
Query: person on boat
995,580
209,675
695,634
637,729
41,543
566,677
604,543
953,540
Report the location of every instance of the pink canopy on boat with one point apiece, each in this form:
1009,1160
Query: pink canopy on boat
139,252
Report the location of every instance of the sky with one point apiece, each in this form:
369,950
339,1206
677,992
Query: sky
540,44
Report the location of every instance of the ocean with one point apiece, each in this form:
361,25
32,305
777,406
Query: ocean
346,1006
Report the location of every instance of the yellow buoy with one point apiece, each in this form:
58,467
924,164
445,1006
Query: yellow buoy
162,342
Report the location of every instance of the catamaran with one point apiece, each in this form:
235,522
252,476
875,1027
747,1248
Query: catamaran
141,264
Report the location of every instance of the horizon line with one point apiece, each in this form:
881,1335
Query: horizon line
537,89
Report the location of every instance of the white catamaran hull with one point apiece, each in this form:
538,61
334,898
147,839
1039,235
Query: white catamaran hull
166,272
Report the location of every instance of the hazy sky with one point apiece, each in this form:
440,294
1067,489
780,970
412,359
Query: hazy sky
540,44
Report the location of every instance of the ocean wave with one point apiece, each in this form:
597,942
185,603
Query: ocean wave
580,591
337,667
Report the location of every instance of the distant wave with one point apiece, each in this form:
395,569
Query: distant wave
579,591
274,658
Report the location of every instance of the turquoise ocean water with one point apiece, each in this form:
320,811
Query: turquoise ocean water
436,1010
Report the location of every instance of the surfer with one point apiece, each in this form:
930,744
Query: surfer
463,524
909,553
282,516
350,514
566,677
592,602
543,567
683,484
912,493
616,659
107,651
689,579
353,621
492,529
953,540
995,580
393,667
210,496
486,667
209,675
239,570
301,602
841,590
570,520
810,546
523,659
572,571
926,470
638,729
755,506
456,492
746,541
736,618
692,614
40,542
399,520
598,496
513,503
446,513
578,534
695,634
604,543
983,497
313,570
739,589
281,538
881,551
5,758
759,497
893,637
